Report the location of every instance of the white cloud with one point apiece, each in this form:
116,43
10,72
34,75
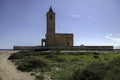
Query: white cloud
112,38
75,15
90,18
115,41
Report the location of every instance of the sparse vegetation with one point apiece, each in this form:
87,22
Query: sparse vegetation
31,63
40,77
54,58
84,65
96,56
99,71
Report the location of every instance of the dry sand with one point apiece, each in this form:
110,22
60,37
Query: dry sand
8,70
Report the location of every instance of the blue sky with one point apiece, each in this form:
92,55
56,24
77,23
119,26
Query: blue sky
93,22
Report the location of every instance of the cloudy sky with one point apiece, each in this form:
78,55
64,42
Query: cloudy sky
93,22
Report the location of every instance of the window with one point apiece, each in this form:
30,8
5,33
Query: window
68,43
68,37
51,17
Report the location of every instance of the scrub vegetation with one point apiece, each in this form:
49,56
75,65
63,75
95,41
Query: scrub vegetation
76,65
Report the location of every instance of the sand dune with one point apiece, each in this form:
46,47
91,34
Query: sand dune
8,70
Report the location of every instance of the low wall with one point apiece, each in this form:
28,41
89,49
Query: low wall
63,48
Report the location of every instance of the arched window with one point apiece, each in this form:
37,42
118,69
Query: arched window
51,17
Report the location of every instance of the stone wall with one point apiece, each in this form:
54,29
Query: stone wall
63,39
63,48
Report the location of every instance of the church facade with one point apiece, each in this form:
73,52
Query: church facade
54,39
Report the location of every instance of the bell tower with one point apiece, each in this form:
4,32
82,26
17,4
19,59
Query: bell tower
50,24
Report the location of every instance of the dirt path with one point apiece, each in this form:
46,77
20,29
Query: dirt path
8,70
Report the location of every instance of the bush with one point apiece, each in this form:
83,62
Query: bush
41,77
99,71
30,64
113,70
95,56
91,72
23,54
106,59
74,60
17,55
96,53
54,58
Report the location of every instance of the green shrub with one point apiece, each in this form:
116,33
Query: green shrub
95,56
80,53
74,60
99,71
58,59
54,58
113,70
41,77
91,72
17,55
30,64
96,53
23,54
50,56
106,59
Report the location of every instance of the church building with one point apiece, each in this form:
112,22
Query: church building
54,39
58,41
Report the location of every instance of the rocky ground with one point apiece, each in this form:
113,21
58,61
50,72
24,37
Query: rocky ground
8,70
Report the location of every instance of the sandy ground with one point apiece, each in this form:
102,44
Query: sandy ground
8,70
